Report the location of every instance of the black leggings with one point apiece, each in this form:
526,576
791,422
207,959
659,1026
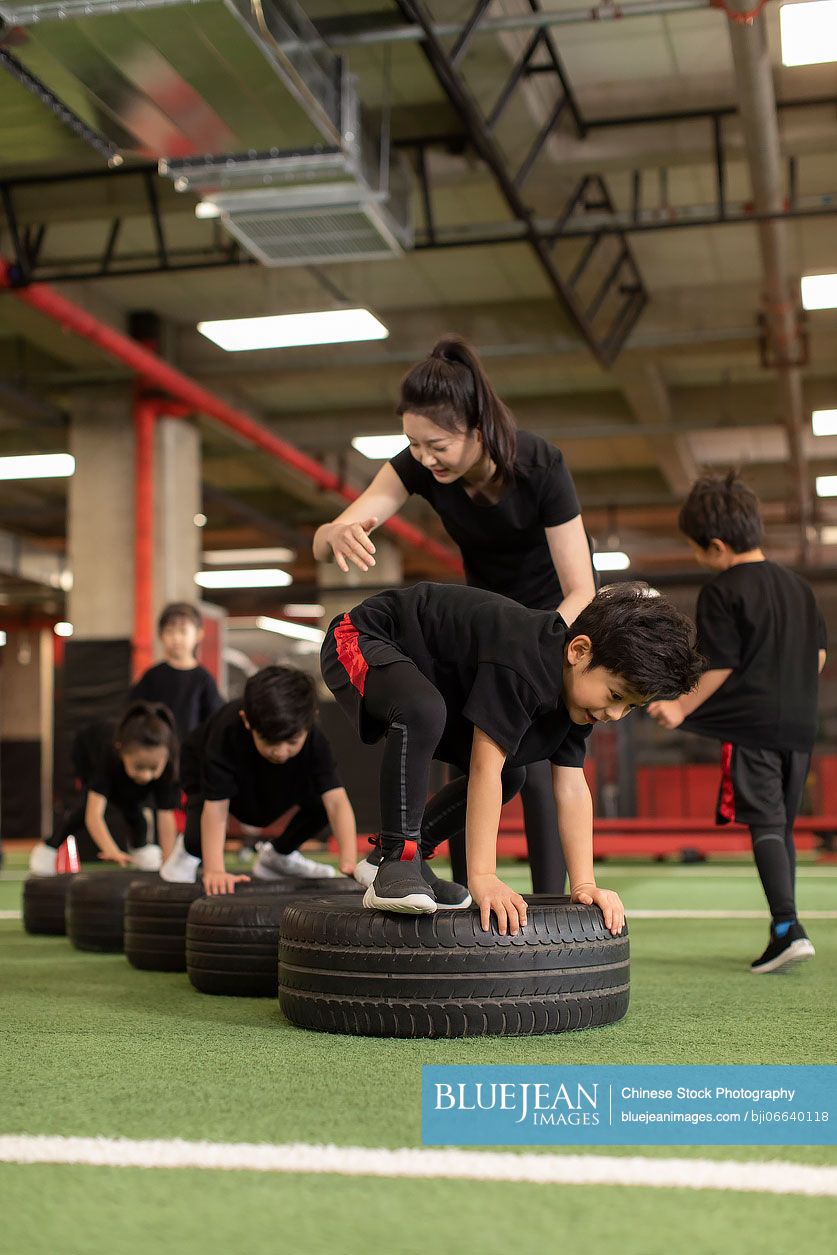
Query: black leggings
308,822
129,829
414,715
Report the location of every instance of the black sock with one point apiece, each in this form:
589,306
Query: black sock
775,873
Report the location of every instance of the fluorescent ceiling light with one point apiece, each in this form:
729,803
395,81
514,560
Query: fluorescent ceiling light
2,638
809,32
828,535
283,331
38,466
268,577
304,610
232,557
613,561
63,629
379,447
207,209
296,630
819,291
827,485
824,422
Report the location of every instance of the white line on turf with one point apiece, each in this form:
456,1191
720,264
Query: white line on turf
10,914
359,1161
720,914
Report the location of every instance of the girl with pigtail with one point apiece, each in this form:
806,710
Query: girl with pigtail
126,775
506,497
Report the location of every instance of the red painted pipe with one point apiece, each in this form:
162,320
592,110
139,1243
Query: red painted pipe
153,370
145,416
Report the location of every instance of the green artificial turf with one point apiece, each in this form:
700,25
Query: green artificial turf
92,1047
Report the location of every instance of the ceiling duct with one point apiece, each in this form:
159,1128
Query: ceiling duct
190,82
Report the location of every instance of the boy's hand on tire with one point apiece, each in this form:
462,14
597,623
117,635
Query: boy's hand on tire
608,902
490,893
667,714
347,866
220,882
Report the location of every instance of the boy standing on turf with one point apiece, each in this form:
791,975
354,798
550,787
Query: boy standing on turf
476,680
179,681
255,761
764,637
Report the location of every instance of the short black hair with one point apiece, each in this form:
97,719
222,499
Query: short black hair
643,638
722,508
280,703
148,725
176,610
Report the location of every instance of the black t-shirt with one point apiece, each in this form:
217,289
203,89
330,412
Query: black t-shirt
220,760
99,768
497,665
504,547
762,621
191,696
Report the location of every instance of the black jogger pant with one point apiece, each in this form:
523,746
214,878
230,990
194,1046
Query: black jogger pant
129,829
309,821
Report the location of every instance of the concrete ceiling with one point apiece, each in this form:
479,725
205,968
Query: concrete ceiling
688,390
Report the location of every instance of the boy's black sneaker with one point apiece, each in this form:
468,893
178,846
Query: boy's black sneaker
448,894
793,947
399,884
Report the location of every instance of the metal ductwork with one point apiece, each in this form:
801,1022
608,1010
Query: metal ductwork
239,100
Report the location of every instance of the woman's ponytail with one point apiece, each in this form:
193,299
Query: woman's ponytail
451,388
149,725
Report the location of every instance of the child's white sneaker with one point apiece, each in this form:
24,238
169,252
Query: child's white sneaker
180,868
272,866
147,858
42,860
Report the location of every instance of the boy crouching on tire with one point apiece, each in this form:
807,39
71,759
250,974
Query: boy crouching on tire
256,760
476,680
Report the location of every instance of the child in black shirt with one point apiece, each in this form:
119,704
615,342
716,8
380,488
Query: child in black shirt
179,680
478,681
123,769
255,763
764,637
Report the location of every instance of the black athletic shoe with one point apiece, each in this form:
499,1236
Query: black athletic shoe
448,894
399,885
781,952
367,869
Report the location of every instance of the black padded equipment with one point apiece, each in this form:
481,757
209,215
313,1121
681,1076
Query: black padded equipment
44,902
96,906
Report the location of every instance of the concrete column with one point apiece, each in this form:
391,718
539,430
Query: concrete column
177,499
100,525
26,707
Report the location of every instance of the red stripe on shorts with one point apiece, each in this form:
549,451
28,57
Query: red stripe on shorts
726,804
348,653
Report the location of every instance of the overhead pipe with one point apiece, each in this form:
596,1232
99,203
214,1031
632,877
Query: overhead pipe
760,127
145,416
152,370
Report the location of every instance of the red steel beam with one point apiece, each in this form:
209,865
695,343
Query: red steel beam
153,370
145,417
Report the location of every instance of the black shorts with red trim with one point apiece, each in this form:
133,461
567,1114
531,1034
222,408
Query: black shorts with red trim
761,788
345,659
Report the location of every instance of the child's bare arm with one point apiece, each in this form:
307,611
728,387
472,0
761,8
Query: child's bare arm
672,714
166,831
94,819
213,838
574,806
821,656
485,801
341,818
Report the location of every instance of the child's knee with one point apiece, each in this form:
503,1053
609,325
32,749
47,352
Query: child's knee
512,780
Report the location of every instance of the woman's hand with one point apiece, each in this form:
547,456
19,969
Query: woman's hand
350,542
491,894
220,882
608,902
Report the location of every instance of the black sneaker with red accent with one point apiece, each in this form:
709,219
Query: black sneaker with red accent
399,884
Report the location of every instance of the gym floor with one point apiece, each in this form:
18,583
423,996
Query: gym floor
93,1048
